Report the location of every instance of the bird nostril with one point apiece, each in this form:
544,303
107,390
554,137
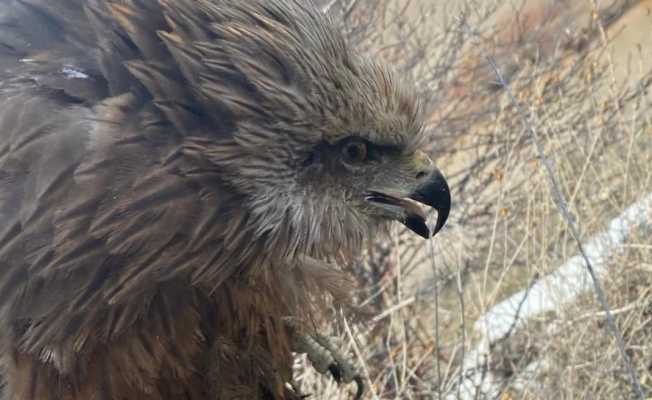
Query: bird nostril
421,174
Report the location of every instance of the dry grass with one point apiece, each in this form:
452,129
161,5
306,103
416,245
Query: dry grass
595,125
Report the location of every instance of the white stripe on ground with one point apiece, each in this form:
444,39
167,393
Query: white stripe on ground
548,293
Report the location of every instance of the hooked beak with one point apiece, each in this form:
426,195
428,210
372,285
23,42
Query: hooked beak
432,192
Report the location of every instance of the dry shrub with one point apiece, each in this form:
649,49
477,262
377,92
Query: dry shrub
505,231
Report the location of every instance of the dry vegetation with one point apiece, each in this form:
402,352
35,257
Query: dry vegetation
591,111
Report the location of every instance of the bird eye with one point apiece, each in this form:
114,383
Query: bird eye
355,151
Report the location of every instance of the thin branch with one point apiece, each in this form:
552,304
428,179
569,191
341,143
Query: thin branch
560,202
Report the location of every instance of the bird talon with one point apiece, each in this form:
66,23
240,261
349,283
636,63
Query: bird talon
337,376
326,358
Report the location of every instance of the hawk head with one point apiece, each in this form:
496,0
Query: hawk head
320,143
326,141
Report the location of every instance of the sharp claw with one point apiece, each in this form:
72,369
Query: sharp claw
325,357
360,383
337,376
335,371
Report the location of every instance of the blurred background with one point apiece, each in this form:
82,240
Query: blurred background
499,305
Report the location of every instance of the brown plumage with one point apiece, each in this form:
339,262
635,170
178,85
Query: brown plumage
177,179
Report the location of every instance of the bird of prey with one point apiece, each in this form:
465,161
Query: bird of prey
181,184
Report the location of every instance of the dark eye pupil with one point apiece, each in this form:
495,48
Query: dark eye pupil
354,152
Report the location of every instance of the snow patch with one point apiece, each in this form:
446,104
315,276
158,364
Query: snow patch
560,287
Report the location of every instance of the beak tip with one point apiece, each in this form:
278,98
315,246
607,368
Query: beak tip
441,221
442,214
436,193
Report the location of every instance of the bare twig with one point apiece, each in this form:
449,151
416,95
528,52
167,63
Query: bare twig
560,202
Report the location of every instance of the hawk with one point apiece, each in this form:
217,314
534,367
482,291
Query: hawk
181,183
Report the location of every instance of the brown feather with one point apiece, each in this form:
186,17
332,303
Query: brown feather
156,230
